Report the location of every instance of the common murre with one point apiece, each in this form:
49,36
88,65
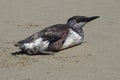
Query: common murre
56,37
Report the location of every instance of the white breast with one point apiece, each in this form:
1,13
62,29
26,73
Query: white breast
72,39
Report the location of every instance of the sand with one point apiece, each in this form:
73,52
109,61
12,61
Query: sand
96,59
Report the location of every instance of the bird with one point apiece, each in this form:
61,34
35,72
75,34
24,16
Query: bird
57,37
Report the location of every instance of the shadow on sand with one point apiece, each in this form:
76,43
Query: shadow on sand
24,53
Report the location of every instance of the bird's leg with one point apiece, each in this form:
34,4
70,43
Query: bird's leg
29,52
47,52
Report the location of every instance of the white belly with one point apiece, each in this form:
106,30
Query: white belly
72,39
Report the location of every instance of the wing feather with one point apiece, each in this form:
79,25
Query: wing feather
56,35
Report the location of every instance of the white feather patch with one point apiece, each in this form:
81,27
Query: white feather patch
72,39
80,24
39,43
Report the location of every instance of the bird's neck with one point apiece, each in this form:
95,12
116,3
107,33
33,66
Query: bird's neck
77,27
79,31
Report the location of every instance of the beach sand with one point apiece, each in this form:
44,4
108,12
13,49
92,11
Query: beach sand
96,59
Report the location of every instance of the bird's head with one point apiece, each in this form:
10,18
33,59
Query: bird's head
80,21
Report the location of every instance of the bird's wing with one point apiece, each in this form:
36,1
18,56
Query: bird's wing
56,35
55,32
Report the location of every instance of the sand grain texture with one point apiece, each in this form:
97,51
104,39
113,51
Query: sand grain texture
97,59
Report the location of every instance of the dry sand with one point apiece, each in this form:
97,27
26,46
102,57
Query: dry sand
97,59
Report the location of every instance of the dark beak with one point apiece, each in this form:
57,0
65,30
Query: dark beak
92,18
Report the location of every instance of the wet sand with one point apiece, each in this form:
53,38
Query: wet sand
97,59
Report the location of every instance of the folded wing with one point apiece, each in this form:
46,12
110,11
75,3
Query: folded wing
56,35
